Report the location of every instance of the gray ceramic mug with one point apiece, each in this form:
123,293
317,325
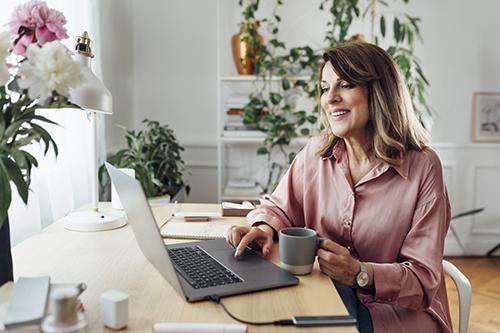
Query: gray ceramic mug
298,248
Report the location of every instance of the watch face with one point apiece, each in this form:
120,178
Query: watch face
362,279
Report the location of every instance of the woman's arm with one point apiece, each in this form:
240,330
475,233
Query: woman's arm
284,207
413,281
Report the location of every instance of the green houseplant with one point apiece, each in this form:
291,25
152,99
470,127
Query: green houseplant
268,108
154,154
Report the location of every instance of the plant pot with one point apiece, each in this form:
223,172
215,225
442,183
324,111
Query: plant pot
180,196
6,272
160,200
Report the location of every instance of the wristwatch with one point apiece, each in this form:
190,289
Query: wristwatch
362,278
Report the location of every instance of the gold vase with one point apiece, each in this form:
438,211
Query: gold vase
244,56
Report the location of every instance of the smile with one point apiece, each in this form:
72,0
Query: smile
338,113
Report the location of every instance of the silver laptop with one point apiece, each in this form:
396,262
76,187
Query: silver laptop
196,270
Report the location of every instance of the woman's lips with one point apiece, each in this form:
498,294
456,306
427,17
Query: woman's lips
339,114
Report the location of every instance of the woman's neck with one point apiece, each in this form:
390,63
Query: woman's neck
359,152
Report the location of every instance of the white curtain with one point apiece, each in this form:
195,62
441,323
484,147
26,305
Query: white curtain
60,185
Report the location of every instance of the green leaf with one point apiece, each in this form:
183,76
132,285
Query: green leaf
382,26
410,37
419,70
396,29
305,131
469,212
312,119
275,98
285,84
262,151
5,192
16,176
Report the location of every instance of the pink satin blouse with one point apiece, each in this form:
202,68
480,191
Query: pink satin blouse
394,219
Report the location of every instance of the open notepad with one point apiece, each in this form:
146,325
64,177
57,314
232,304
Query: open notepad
194,230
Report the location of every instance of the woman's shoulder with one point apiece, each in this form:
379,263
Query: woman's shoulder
426,159
314,144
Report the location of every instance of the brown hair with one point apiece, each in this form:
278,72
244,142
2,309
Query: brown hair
393,122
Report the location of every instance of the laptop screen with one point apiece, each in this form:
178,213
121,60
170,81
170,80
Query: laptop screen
143,224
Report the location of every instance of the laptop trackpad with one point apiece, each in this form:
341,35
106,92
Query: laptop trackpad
249,260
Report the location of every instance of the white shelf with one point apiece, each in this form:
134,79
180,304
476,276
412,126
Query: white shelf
247,139
225,197
250,78
242,139
236,198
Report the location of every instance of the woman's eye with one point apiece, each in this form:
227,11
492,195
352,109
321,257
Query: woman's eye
346,85
324,89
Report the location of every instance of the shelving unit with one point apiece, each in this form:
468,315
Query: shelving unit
236,154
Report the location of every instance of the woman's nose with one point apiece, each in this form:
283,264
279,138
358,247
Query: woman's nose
334,96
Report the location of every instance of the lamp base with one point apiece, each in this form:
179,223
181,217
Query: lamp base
89,220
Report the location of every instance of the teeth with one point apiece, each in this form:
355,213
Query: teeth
338,113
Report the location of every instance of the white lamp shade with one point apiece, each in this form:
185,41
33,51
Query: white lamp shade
91,95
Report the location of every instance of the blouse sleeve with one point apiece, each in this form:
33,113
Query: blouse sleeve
413,281
284,207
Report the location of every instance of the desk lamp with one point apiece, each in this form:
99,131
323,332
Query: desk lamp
92,96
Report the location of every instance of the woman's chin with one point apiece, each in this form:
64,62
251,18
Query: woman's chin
339,132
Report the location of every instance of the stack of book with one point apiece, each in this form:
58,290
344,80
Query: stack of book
234,125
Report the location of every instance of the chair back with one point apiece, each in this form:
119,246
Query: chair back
464,289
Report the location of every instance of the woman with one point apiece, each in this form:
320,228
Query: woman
375,190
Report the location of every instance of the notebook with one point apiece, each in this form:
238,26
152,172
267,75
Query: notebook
194,230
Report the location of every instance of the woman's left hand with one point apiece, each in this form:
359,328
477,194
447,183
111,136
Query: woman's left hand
336,262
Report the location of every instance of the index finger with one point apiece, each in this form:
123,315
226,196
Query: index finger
245,241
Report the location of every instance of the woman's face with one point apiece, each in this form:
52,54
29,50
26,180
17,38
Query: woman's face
345,105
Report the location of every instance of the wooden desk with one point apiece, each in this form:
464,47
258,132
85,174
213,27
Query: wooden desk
112,260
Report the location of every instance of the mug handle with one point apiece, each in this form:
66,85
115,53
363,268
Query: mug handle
319,240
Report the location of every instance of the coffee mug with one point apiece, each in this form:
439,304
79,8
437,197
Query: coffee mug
298,248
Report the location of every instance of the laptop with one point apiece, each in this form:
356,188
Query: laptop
196,270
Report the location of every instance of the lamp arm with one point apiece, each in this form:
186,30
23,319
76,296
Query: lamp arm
95,163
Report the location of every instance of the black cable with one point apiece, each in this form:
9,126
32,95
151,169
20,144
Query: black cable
283,322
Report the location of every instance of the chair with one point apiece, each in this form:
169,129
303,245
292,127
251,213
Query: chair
464,289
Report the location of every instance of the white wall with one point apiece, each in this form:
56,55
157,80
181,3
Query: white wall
461,55
117,54
174,65
171,49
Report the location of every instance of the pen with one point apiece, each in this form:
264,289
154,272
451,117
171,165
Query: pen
196,218
174,210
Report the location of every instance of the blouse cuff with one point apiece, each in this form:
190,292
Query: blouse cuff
272,221
387,283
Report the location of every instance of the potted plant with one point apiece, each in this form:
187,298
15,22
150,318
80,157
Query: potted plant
154,154
35,71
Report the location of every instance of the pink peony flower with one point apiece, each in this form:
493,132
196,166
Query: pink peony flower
38,23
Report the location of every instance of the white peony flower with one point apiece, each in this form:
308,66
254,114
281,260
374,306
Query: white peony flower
5,44
49,68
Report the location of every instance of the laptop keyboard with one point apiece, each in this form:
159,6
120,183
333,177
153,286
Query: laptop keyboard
199,269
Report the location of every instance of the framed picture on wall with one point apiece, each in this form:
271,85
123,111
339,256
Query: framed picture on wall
486,117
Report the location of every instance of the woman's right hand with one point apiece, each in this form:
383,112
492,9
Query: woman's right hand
259,237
